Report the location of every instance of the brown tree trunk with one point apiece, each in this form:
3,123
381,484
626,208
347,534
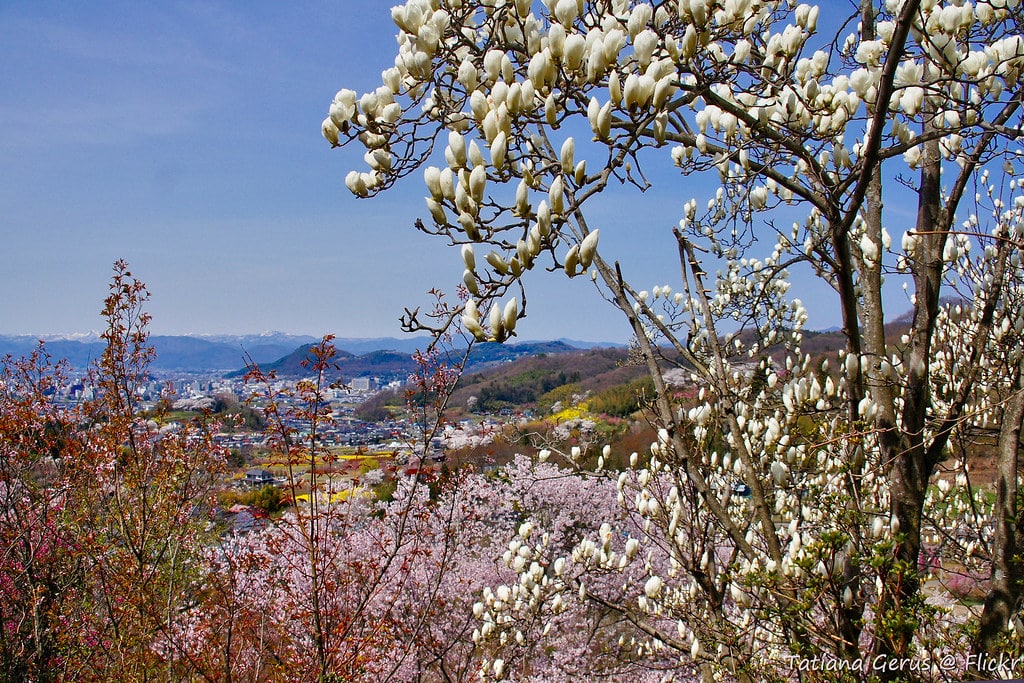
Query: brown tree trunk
1007,570
911,467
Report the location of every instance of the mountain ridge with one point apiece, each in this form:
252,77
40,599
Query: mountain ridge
397,364
229,353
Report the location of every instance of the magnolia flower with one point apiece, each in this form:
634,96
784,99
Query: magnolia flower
556,195
869,248
497,262
468,257
510,314
567,154
494,319
343,108
572,260
588,248
499,148
457,147
330,131
432,178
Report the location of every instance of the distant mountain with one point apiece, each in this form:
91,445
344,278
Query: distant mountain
359,346
289,341
376,363
490,353
195,353
580,344
359,357
389,364
173,353
78,353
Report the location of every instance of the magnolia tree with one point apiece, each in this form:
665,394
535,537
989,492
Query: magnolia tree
855,465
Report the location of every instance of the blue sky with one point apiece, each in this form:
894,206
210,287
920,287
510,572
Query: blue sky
185,138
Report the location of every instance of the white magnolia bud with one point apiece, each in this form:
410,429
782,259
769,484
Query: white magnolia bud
575,50
471,320
580,173
447,183
492,64
499,148
476,157
588,247
495,319
468,223
510,314
572,260
604,121
523,253
869,248
593,110
457,145
614,87
543,218
330,131
551,109
356,183
436,211
556,195
522,199
477,183
497,262
469,279
780,473
568,154
468,257
479,105
468,75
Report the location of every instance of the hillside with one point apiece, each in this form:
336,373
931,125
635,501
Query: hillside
552,373
594,372
527,379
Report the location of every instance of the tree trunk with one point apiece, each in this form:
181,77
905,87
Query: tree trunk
1007,571
911,468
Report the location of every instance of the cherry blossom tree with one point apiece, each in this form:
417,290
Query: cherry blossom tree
797,502
144,492
411,613
41,571
341,587
99,534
